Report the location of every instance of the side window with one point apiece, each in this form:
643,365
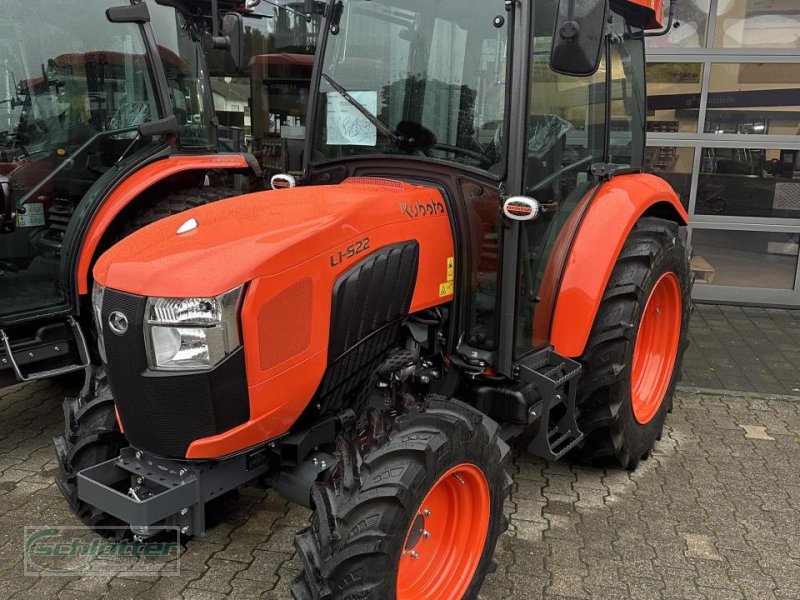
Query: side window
627,94
566,123
184,65
566,135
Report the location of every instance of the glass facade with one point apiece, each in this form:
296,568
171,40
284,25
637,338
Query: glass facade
723,126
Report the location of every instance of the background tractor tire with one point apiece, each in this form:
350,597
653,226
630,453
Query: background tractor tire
626,391
91,432
431,488
172,204
91,436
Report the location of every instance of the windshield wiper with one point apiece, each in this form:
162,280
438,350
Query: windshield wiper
398,140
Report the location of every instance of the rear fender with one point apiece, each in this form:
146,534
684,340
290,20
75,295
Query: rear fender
133,186
613,212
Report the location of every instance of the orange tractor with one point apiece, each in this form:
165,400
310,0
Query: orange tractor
475,258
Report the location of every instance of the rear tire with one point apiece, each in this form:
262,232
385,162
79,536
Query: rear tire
367,539
91,432
624,396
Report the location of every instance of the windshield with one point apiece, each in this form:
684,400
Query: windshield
182,55
69,79
434,73
74,87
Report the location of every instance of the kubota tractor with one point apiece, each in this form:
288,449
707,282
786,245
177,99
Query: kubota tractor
478,258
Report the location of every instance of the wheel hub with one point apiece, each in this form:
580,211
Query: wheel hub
446,538
416,532
656,348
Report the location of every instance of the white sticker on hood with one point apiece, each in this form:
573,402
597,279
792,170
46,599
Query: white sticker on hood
346,125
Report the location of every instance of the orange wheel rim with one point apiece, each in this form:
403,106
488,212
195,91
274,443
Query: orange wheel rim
446,538
656,348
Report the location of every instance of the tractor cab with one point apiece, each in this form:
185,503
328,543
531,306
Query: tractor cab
76,87
88,96
487,101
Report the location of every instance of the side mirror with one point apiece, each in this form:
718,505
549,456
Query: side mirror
9,214
579,36
233,32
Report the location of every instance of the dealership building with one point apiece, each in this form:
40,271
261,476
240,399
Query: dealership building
724,119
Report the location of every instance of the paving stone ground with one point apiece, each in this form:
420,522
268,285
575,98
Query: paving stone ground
714,513
745,349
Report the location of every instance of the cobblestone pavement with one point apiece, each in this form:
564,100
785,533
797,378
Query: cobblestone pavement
745,349
715,513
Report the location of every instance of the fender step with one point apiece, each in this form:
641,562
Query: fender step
556,378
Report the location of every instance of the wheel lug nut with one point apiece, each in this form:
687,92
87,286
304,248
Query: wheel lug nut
427,512
414,554
426,534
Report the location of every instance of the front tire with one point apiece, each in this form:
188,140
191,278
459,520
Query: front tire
415,517
91,436
633,358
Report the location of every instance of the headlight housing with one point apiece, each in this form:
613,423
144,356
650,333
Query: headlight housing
191,334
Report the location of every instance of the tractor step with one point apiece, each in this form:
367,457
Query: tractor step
9,356
556,378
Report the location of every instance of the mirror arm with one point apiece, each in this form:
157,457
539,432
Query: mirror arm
220,42
671,22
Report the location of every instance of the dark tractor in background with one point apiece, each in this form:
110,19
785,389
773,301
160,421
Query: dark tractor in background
106,125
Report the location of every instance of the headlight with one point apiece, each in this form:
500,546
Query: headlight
97,309
188,334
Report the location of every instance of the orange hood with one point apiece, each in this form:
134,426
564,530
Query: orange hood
257,235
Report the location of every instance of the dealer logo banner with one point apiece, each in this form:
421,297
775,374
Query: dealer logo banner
70,551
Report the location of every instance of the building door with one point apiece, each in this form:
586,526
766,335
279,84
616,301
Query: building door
723,121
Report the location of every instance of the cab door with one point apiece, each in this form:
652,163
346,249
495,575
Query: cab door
566,134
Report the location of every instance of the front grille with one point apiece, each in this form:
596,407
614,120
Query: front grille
163,412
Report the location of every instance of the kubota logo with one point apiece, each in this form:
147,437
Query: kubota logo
118,322
422,209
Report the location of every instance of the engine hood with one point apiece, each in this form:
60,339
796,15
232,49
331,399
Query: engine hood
257,235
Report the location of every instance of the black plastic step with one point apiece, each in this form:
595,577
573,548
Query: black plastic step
9,357
556,378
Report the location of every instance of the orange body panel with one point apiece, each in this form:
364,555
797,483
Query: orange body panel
275,241
134,185
614,211
551,278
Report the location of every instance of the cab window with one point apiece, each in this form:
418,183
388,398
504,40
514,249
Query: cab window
187,78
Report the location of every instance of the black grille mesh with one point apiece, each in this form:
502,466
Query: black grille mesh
369,302
373,294
164,412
